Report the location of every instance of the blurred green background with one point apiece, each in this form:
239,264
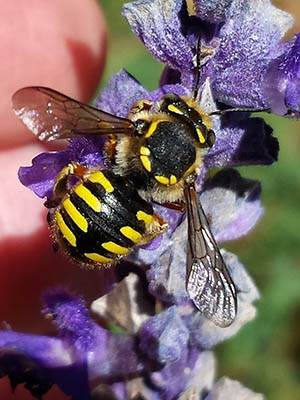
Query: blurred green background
265,354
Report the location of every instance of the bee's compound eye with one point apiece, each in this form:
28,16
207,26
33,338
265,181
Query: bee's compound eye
211,138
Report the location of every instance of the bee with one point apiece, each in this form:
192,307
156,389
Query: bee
156,155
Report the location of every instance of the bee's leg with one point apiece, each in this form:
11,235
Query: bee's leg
110,148
177,206
62,184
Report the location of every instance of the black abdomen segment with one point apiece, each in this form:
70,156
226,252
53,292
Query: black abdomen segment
102,218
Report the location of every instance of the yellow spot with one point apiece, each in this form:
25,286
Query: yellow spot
98,258
65,230
131,234
146,163
99,177
152,128
173,180
115,248
162,179
142,216
86,195
174,109
200,136
72,211
145,151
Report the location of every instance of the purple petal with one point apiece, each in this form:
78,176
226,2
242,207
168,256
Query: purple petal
46,351
169,76
164,337
240,140
227,190
82,352
120,94
88,151
154,244
167,272
203,332
243,142
202,376
123,91
107,354
213,11
119,389
40,177
72,320
157,23
248,40
282,86
174,377
157,94
41,361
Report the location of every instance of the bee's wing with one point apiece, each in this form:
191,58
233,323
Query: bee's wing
51,115
208,282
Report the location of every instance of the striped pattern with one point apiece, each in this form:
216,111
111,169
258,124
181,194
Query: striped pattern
102,218
85,194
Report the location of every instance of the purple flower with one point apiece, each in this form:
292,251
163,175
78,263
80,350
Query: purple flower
82,351
248,64
282,81
160,349
161,355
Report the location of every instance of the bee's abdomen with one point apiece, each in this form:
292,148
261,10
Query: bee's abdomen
101,219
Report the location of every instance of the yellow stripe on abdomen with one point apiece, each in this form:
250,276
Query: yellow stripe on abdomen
98,258
131,234
99,177
86,195
65,230
115,248
75,215
142,216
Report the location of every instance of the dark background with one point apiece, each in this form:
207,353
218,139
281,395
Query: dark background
265,354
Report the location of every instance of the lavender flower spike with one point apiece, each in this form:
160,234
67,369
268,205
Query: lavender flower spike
82,351
163,349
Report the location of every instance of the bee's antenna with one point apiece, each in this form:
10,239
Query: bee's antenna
249,109
198,66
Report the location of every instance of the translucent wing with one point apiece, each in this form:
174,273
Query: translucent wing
51,115
209,284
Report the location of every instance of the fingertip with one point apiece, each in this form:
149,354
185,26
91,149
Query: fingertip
52,44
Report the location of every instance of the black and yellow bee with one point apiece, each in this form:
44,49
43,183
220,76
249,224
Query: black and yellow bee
156,155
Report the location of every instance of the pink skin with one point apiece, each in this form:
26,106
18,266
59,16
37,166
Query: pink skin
51,44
